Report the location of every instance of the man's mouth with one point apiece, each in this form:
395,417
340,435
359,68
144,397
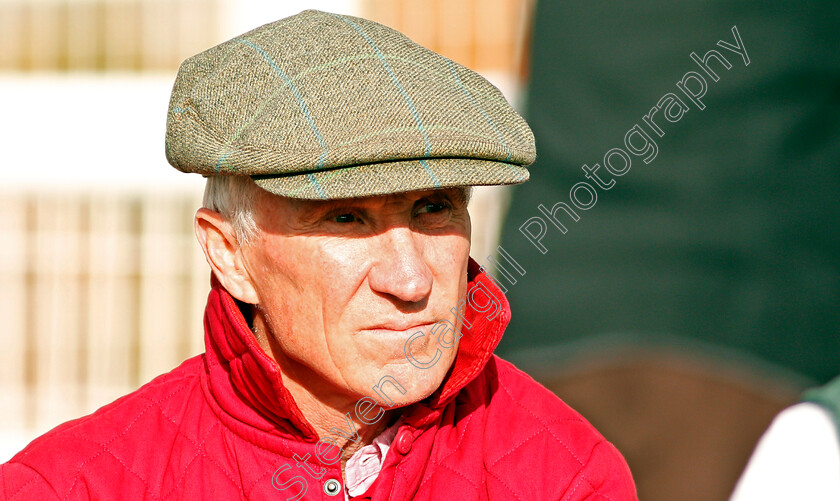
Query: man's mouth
402,327
389,339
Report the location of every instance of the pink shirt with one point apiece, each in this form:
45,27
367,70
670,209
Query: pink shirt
364,466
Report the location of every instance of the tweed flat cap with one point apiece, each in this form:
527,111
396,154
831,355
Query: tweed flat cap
325,106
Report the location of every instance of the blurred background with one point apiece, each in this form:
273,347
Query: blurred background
695,300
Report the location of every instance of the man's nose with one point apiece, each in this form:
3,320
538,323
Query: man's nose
400,268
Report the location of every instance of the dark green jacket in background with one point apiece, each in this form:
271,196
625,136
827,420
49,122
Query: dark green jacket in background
730,235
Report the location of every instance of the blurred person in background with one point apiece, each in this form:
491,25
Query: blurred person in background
798,457
349,336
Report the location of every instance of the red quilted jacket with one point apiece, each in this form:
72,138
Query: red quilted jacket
223,426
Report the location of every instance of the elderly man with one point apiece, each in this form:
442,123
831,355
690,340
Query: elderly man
349,336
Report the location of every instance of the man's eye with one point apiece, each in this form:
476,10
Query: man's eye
431,208
345,218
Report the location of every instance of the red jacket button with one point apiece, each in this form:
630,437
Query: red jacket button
404,442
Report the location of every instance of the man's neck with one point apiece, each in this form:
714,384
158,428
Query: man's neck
330,414
337,422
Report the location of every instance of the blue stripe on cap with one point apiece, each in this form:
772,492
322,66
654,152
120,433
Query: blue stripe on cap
317,185
479,108
396,82
431,174
299,98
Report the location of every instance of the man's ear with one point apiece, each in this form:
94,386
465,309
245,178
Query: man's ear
224,255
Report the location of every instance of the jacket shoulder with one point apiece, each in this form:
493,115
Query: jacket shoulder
98,454
19,481
538,447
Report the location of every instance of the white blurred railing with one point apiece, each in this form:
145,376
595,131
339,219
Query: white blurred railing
105,34
98,294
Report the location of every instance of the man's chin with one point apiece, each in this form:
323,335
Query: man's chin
400,385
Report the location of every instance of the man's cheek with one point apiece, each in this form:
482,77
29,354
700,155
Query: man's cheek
341,256
449,254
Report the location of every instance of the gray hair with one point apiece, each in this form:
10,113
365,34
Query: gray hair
232,197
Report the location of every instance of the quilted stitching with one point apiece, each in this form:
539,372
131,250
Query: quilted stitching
505,484
470,481
547,428
105,445
22,488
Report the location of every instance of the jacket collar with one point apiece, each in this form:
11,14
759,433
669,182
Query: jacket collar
248,385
